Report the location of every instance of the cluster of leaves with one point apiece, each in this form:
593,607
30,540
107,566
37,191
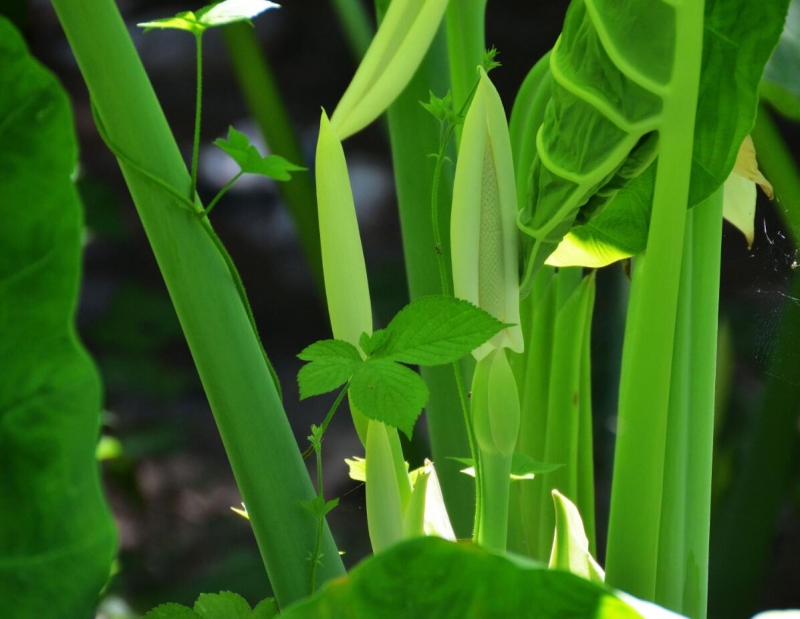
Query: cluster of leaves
223,605
433,330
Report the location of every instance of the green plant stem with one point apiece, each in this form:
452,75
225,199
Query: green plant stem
356,25
198,110
492,526
258,439
414,135
221,193
465,20
265,102
636,499
744,524
328,418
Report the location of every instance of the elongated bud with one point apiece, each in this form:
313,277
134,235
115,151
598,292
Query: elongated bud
483,221
426,513
570,544
392,59
495,405
384,508
343,266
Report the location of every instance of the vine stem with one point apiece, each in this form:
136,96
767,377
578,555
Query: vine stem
197,113
328,417
221,193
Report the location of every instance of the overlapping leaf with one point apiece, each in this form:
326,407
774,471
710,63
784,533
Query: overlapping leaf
211,16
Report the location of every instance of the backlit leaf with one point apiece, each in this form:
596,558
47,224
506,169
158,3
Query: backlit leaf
331,364
250,160
218,14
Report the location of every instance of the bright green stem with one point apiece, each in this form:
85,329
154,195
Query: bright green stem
221,193
742,534
466,45
258,439
414,135
266,104
356,25
198,113
495,483
636,498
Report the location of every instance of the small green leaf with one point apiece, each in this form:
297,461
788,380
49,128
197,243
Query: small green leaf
436,330
332,363
223,605
318,507
489,61
442,109
356,468
218,14
371,343
522,467
388,392
171,611
250,160
266,609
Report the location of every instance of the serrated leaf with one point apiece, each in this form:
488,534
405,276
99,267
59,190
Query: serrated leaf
213,15
388,392
371,343
522,467
266,609
223,605
239,148
332,363
171,611
437,329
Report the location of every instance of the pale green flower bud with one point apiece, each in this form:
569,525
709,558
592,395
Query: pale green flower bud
483,221
392,59
495,405
384,507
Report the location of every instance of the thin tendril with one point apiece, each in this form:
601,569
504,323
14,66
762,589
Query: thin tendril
197,114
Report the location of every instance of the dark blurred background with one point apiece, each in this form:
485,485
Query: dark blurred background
165,470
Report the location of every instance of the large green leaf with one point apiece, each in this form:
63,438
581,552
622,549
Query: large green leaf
431,577
780,85
57,538
610,67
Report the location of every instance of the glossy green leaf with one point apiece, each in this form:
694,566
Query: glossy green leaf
436,330
431,577
223,605
331,364
389,392
780,85
574,180
250,160
57,539
213,15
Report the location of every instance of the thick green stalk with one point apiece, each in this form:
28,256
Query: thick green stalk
742,534
414,135
632,558
263,98
466,44
356,24
261,448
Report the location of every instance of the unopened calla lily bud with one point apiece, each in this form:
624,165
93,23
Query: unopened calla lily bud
495,405
392,59
483,227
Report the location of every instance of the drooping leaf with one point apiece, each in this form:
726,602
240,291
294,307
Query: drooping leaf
389,392
403,38
574,179
431,577
54,520
780,85
522,467
240,149
331,364
213,15
437,329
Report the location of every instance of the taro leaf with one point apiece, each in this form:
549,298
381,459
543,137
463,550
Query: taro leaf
781,86
388,392
611,91
57,539
218,14
250,160
437,329
431,577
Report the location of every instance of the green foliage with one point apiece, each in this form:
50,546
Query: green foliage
250,160
211,16
430,331
430,577
57,539
780,85
725,115
223,605
522,467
